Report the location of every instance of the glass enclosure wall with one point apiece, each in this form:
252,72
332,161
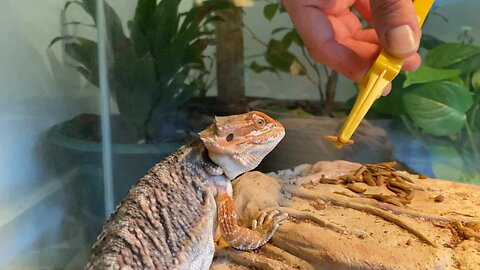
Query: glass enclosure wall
41,218
89,103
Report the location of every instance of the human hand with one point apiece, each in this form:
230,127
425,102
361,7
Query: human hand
333,34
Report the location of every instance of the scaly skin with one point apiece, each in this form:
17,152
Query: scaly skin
167,220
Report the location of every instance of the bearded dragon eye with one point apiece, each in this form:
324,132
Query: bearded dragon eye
260,122
229,137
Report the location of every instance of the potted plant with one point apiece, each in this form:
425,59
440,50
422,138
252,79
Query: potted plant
152,73
286,53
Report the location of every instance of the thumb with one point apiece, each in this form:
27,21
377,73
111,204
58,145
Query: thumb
397,26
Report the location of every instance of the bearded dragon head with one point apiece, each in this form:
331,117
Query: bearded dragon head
238,143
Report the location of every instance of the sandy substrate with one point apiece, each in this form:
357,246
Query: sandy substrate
332,227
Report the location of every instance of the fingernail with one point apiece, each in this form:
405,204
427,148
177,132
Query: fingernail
387,89
400,40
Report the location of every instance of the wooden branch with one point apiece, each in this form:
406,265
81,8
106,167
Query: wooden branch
339,200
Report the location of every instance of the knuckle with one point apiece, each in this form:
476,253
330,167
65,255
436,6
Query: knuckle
315,55
384,7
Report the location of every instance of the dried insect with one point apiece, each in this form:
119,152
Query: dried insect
398,184
356,188
385,198
439,198
360,171
380,180
330,181
410,195
423,176
395,190
335,139
367,178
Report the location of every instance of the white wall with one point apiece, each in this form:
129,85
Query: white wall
268,84
459,14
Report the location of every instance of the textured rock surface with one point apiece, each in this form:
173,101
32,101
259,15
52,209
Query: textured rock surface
333,228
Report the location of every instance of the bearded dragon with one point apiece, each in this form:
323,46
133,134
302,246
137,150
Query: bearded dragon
168,219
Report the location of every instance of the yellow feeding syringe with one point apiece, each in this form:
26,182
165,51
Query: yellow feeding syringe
385,68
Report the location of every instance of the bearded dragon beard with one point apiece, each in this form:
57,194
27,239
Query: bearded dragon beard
244,159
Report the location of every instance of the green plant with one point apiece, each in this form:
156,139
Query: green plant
439,103
159,66
285,52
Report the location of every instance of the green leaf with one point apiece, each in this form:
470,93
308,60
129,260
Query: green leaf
429,42
438,107
471,178
447,163
392,103
114,26
140,40
288,39
257,68
84,51
298,40
279,29
90,6
476,80
427,74
135,87
292,36
117,37
68,3
165,26
449,54
270,10
144,15
457,80
280,58
60,38
473,117
89,75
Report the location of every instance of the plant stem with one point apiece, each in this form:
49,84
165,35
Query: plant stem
330,92
414,131
472,141
317,73
309,77
474,113
249,31
253,56
410,128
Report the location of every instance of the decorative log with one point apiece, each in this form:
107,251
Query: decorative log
229,55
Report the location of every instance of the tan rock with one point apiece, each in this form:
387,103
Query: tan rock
331,227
